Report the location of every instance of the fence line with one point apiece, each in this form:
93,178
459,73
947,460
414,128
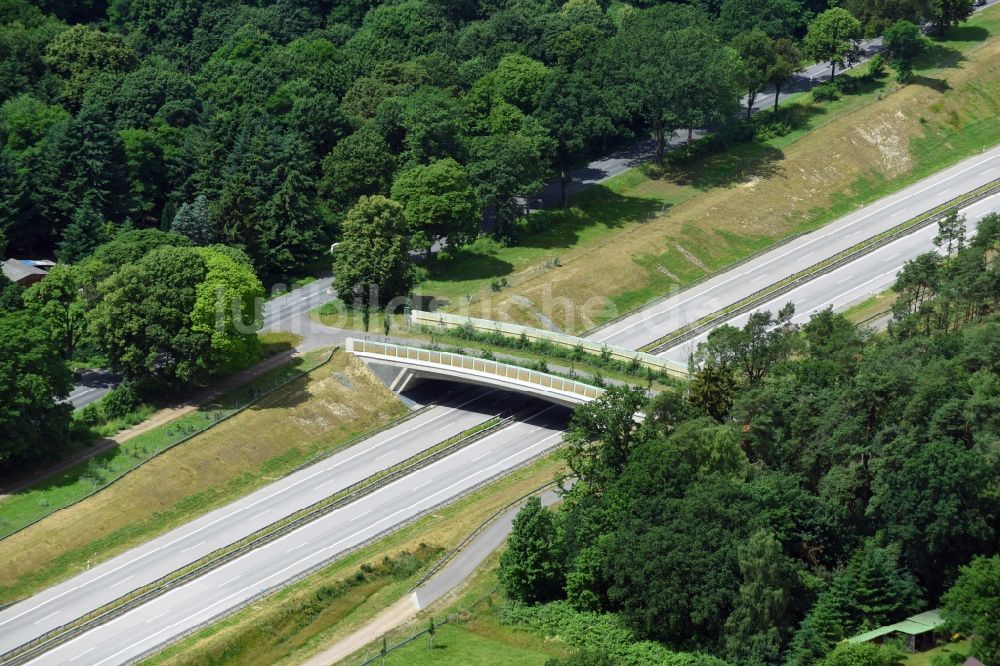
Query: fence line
239,410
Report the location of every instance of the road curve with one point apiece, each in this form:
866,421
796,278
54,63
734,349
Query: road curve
200,600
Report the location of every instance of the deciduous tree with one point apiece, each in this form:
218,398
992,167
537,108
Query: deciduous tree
372,264
834,37
531,567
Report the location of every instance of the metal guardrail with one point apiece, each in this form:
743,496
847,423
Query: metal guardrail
449,321
505,371
117,607
325,563
186,438
829,264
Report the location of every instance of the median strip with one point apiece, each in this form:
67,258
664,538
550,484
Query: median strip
827,265
139,596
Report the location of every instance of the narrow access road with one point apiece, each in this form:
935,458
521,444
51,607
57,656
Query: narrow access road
204,598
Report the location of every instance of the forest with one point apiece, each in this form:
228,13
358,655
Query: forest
811,483
266,132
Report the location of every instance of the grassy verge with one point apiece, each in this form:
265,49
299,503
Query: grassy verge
647,231
307,416
289,626
871,307
60,490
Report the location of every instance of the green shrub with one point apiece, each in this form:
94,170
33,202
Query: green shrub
826,92
121,400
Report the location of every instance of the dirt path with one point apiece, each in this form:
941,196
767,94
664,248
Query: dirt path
393,616
195,401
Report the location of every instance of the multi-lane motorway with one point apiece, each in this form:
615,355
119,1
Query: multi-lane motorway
690,305
188,543
198,601
871,274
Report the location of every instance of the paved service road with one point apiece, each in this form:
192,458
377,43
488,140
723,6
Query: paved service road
849,284
689,305
201,599
137,567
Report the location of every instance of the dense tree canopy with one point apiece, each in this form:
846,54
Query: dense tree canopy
812,482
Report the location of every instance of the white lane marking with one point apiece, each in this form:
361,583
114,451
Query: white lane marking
258,515
425,483
385,455
124,580
157,617
628,322
229,581
846,279
480,457
93,647
360,516
200,543
208,610
47,617
296,547
233,513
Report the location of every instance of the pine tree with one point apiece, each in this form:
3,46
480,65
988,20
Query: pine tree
87,230
195,221
291,223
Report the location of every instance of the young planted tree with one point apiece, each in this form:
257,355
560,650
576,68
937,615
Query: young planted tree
834,37
372,265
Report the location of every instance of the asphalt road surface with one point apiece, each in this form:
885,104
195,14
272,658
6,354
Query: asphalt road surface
849,284
93,384
474,554
201,599
137,567
689,305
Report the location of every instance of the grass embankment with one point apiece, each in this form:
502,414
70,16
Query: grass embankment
871,307
62,489
309,415
271,344
289,626
644,233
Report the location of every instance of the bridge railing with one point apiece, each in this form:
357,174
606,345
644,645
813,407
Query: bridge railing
471,364
444,320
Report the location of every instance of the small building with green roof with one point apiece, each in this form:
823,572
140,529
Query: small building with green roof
917,631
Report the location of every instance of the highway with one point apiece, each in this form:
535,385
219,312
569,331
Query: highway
198,601
137,567
849,284
689,305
